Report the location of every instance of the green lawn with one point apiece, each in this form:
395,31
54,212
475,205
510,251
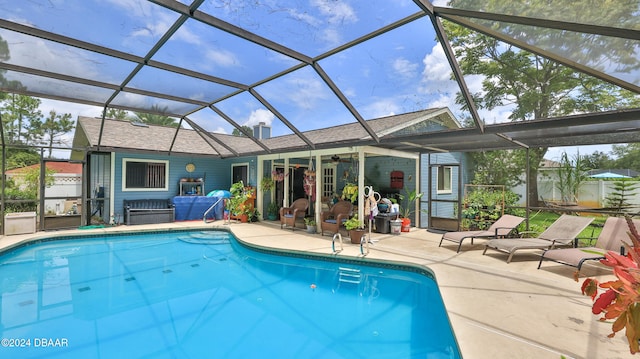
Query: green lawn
539,221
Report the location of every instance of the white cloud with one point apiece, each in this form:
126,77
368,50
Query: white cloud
185,34
331,36
443,100
497,115
75,109
437,74
336,12
474,83
555,153
260,115
51,57
223,58
436,80
404,68
381,108
303,16
350,92
306,93
436,66
440,2
219,129
61,108
152,21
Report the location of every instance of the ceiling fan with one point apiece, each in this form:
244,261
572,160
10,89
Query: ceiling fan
335,159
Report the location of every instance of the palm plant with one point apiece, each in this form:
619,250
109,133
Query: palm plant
571,175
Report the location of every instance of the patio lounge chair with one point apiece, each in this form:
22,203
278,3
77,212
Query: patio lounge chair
289,215
614,233
500,228
561,232
333,219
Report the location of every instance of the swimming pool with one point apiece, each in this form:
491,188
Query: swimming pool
201,294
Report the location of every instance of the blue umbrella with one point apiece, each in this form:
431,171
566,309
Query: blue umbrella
609,175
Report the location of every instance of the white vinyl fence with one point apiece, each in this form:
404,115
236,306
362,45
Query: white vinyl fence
592,193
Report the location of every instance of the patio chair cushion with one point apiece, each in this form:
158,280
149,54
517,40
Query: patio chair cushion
613,235
500,228
561,232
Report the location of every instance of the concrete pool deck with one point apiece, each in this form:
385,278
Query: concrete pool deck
497,310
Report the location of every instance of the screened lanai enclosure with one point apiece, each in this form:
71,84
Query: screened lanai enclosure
218,68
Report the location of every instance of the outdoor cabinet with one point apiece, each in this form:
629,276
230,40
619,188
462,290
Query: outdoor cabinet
19,223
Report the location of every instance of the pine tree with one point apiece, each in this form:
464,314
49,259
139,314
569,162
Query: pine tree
618,200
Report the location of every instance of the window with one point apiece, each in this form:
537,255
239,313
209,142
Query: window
144,175
328,181
445,178
240,172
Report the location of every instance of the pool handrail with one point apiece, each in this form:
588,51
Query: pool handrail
204,217
333,243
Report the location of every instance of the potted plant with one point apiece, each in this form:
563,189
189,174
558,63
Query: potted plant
311,224
267,183
272,211
408,209
355,228
350,192
236,204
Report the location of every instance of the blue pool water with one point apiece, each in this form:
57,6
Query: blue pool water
201,294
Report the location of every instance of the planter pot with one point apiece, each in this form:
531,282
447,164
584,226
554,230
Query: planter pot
311,229
396,226
243,218
406,225
272,217
62,222
356,235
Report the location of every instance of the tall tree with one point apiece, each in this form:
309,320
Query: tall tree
18,112
623,190
117,114
627,156
4,57
157,117
237,132
502,167
534,86
50,132
598,160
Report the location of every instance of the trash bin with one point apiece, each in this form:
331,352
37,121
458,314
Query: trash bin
382,222
396,226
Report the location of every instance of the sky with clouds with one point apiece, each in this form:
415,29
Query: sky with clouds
400,71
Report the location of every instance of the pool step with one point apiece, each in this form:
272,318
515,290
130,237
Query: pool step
350,275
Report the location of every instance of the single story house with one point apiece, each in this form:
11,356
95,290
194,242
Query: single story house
137,161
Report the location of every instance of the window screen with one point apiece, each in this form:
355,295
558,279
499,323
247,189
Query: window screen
444,179
142,174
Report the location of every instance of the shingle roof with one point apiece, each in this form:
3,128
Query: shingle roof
124,135
58,167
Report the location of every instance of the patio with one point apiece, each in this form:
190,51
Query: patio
497,310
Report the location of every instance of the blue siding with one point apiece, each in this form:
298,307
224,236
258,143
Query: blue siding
216,174
443,209
378,173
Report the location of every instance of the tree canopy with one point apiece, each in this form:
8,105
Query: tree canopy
532,86
237,132
627,156
157,117
50,132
